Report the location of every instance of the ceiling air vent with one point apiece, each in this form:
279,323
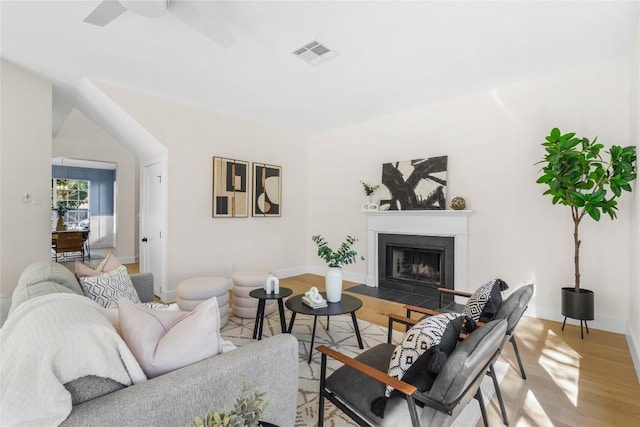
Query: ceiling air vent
314,53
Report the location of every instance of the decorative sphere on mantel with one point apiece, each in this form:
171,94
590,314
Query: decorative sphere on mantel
458,203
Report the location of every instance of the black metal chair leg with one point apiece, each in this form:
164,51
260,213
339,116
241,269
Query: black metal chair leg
586,326
496,386
515,349
564,323
483,408
323,373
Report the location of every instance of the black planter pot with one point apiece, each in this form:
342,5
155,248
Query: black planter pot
577,305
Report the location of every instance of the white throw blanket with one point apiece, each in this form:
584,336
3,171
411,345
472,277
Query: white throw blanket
49,341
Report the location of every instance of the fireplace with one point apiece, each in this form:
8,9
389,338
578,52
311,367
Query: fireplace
415,263
439,224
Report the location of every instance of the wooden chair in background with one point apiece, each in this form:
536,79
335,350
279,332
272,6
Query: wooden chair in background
67,242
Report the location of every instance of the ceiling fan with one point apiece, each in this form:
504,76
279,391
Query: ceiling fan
108,10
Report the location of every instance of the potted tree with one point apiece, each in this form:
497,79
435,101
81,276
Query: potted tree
344,255
577,176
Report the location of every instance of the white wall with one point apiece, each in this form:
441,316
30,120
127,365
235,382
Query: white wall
492,140
633,332
198,244
80,138
25,168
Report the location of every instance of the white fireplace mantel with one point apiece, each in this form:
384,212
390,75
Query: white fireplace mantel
450,223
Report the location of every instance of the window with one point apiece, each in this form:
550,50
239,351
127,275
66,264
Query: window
70,197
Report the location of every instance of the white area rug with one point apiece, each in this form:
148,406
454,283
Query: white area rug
341,337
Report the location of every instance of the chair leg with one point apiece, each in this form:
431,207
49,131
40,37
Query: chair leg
515,349
323,373
483,408
496,386
413,412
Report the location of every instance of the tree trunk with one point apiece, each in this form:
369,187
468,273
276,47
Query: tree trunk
576,254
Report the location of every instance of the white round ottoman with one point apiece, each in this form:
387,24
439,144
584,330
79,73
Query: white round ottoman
244,282
192,292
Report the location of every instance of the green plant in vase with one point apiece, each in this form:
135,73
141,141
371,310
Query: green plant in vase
369,189
335,259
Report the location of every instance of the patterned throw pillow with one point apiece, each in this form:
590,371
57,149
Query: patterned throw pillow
485,302
422,353
422,336
107,288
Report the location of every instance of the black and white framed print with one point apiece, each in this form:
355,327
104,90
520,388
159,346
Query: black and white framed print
230,188
414,184
267,190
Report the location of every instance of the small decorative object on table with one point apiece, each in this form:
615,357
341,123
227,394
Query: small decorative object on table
335,259
246,411
272,285
313,299
369,205
458,203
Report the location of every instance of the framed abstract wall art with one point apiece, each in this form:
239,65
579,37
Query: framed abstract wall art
414,184
267,190
230,188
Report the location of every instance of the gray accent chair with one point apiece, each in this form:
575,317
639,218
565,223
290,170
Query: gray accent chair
355,385
511,310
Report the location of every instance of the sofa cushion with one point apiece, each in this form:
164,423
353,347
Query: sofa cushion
485,302
90,387
164,340
107,288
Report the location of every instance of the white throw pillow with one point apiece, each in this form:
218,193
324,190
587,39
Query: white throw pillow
107,288
164,340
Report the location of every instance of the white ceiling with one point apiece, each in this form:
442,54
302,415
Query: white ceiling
393,55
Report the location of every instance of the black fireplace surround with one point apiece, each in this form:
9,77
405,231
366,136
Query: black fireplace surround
416,263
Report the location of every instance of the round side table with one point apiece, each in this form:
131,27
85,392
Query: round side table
262,297
348,304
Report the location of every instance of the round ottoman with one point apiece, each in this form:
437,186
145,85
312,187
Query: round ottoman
244,282
192,292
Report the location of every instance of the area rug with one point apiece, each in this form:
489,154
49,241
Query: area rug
341,337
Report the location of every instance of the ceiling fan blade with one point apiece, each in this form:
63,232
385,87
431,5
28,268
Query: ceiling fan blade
201,22
146,8
105,12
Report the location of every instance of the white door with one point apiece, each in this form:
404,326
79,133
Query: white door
152,224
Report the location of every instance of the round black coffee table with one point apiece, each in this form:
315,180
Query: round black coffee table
348,304
262,298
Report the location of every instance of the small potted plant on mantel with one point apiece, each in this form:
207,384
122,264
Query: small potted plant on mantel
335,260
577,176
369,189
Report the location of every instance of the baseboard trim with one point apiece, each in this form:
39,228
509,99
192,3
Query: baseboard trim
634,349
604,323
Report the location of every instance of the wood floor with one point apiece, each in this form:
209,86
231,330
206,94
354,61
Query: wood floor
570,382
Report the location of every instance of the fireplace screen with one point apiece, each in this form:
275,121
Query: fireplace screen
416,263
418,266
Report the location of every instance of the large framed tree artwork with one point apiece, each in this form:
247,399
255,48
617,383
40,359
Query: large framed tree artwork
230,188
414,184
267,190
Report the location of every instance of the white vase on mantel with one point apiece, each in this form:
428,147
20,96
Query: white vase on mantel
333,284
